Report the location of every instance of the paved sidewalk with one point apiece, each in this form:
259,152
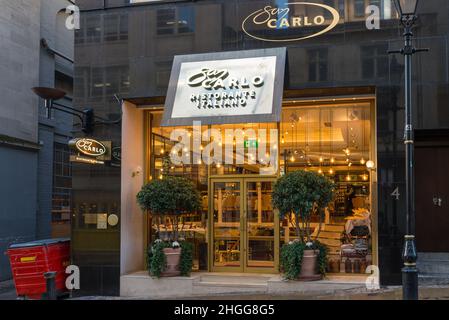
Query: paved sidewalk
7,290
430,292
435,292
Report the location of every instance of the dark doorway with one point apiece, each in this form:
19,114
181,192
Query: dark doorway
432,190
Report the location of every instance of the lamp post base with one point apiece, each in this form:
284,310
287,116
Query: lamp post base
410,283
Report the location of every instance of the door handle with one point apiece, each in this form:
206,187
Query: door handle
437,201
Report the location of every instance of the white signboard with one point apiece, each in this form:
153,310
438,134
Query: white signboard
226,87
226,90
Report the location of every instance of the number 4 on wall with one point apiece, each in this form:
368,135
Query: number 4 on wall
396,193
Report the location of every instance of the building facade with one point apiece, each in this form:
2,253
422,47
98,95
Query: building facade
342,106
35,179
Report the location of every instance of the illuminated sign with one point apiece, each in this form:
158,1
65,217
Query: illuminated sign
85,160
251,144
90,147
226,87
90,150
321,17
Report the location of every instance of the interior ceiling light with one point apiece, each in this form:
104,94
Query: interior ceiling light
370,164
294,117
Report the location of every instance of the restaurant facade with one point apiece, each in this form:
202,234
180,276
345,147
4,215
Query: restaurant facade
234,94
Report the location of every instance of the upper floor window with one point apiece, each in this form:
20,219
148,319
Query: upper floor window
175,20
374,61
338,5
318,64
104,81
115,27
107,27
359,8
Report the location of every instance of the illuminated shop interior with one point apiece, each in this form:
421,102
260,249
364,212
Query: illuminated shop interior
237,228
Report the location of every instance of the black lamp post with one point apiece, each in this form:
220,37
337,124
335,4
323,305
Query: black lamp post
407,11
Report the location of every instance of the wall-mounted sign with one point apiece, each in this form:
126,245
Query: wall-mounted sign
251,143
102,221
113,220
90,147
227,87
90,150
87,160
293,22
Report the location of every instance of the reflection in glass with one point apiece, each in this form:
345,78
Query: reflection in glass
260,225
226,224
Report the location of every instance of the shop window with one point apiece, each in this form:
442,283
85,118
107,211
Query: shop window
175,20
318,65
62,191
332,138
334,141
374,61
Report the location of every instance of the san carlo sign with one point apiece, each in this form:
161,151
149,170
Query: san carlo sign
90,147
321,19
226,87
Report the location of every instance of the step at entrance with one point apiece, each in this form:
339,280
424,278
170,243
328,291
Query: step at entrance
231,280
433,267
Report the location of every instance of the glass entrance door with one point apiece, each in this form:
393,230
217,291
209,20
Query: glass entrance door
245,229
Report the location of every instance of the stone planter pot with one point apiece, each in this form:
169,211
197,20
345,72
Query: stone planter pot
309,266
173,256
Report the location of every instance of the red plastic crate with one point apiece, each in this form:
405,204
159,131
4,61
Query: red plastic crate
29,261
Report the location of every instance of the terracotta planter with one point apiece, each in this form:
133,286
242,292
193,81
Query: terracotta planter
173,256
309,266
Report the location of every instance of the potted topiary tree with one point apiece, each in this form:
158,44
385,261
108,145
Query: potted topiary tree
299,196
167,199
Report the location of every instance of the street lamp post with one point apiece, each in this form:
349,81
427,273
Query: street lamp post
407,11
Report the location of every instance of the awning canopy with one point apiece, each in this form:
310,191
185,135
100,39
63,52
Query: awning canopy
226,87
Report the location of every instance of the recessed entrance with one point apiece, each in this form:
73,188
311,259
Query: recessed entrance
244,228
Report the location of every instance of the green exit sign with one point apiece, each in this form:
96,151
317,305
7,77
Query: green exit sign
251,144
